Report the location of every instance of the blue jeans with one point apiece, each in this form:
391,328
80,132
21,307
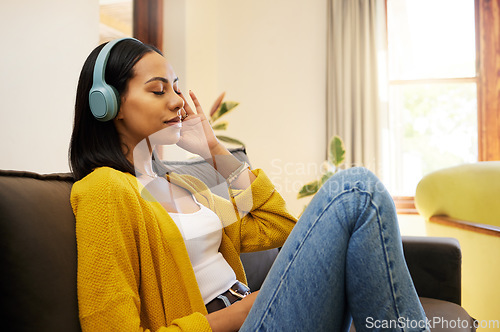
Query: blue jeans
343,259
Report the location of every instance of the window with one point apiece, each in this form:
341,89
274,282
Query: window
433,101
115,19
142,19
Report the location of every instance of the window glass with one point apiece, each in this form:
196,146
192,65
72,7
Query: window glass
432,119
431,39
436,127
115,19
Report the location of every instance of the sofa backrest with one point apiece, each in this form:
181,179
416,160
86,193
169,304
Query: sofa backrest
38,257
37,253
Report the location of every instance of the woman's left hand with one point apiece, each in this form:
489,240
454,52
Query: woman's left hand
197,135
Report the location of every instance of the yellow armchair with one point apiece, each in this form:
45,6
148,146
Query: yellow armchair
464,202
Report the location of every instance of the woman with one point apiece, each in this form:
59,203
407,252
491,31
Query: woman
160,252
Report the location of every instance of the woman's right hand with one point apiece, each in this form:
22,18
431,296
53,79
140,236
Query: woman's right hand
232,317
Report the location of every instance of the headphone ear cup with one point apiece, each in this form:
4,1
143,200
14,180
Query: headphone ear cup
104,102
104,99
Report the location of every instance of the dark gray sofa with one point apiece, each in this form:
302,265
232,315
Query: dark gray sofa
38,256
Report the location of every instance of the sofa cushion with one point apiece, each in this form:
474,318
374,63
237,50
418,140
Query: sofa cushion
443,316
446,316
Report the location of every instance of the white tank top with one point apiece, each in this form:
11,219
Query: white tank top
202,233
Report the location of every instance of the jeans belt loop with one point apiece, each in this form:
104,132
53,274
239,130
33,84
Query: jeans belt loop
224,299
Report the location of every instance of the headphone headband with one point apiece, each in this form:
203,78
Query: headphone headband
103,98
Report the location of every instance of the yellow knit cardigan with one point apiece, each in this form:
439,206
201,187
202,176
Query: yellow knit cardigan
134,272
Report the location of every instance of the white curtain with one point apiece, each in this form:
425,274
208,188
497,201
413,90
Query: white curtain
356,76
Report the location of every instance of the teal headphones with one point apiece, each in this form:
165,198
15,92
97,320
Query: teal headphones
104,100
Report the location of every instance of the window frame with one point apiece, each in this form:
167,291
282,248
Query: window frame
148,22
488,67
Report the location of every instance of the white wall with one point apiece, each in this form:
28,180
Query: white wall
44,45
271,57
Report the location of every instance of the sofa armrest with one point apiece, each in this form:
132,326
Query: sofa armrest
465,192
435,265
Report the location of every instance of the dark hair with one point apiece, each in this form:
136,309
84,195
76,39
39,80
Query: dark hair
95,143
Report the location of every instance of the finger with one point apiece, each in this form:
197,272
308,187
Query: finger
187,108
196,102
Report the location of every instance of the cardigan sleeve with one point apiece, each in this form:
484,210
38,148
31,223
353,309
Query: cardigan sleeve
261,219
120,315
107,211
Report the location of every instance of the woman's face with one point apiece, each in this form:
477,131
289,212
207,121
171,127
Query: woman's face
151,105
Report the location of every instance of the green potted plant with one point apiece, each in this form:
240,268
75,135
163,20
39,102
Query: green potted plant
218,110
336,156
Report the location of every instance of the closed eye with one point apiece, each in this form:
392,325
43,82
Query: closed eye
159,93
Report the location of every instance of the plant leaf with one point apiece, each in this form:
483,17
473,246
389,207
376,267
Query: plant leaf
222,125
336,152
229,140
223,109
326,176
309,189
217,103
